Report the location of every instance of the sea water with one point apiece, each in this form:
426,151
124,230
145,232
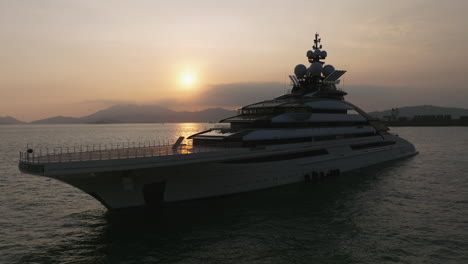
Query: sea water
413,210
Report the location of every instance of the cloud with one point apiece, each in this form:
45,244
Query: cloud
368,97
239,94
173,103
376,98
106,102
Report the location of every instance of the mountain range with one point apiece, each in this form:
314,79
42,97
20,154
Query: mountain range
411,111
131,113
8,120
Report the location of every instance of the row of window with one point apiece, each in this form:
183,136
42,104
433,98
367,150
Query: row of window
254,143
372,145
258,111
267,124
281,157
261,111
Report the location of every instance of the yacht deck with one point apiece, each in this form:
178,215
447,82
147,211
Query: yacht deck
110,152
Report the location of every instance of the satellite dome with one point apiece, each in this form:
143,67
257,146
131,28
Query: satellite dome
317,52
300,70
323,54
328,69
315,69
310,54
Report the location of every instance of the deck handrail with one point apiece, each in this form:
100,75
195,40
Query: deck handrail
109,151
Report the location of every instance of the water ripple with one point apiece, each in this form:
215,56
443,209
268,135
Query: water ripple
408,211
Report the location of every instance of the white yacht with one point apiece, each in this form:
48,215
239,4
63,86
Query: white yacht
306,135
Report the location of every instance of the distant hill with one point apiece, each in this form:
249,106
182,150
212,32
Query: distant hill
411,111
130,113
59,120
8,120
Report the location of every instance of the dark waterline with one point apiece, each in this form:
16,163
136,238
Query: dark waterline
408,211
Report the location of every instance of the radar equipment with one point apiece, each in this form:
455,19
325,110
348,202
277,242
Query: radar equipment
333,77
300,70
315,69
323,54
294,80
317,79
327,70
317,40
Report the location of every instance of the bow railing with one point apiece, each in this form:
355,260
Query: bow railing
125,150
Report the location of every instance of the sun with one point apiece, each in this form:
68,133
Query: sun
187,79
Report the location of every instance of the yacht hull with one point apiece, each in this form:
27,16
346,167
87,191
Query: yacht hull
227,174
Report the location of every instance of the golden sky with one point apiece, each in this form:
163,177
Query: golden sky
64,57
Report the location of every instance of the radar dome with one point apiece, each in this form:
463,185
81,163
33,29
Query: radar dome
317,52
315,69
310,54
328,69
323,54
300,70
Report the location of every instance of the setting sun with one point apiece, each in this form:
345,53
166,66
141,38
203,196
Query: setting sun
187,79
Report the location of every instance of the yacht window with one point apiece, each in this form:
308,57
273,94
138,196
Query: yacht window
280,157
372,145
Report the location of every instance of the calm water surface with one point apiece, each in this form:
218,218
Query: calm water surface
409,211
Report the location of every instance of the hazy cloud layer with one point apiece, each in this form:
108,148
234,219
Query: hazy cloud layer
376,98
370,98
55,54
240,94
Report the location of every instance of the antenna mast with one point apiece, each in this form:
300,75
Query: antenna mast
317,41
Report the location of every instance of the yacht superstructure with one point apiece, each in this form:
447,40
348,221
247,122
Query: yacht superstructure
307,134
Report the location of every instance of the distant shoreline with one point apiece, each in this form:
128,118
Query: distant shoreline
427,123
423,115
454,123
139,123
